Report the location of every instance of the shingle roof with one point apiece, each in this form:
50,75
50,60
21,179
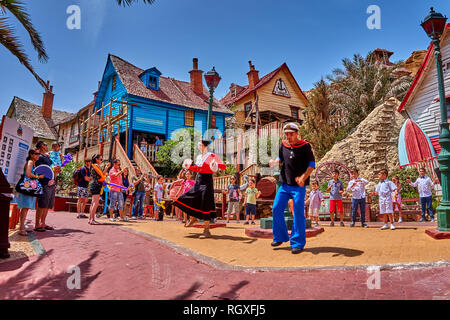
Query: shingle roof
228,99
29,114
170,90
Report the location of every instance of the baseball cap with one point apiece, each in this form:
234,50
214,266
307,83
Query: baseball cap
290,127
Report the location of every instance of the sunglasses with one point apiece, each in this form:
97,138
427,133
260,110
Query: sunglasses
36,154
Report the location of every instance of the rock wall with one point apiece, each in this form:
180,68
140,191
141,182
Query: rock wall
414,61
373,146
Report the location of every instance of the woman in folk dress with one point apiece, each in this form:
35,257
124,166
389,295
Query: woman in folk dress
198,202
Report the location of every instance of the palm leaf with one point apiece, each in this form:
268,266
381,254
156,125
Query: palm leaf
17,8
130,2
10,42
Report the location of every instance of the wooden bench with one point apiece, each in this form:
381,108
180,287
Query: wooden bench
414,209
88,205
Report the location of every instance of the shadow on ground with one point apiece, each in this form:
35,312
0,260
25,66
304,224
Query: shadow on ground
223,237
336,250
231,294
50,287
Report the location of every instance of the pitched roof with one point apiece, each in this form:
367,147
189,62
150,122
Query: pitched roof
75,115
30,114
428,58
170,90
264,80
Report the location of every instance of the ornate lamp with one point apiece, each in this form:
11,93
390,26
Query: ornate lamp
212,79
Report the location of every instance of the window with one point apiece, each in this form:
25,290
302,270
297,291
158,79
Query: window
189,118
247,108
294,112
152,83
213,121
72,130
114,80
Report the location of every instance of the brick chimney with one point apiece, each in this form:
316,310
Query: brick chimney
47,102
253,75
196,78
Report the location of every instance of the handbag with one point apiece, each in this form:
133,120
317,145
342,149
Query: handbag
29,187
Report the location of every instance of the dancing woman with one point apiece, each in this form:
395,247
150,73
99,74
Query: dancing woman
198,202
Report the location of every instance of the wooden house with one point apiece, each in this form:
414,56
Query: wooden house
274,97
421,103
69,130
157,105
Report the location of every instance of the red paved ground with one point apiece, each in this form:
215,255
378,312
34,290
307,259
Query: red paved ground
119,264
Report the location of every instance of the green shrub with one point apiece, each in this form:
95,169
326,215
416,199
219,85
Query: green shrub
65,180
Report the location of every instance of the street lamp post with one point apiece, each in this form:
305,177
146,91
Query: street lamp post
212,79
434,25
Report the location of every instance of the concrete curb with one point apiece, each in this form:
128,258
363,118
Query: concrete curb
224,266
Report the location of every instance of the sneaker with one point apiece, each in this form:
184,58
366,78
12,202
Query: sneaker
332,224
276,244
342,224
352,225
384,227
422,220
82,216
253,222
112,219
364,225
432,220
246,222
296,250
392,227
400,220
133,218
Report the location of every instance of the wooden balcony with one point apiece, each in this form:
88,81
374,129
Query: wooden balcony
150,151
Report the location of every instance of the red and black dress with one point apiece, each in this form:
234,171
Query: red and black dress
199,200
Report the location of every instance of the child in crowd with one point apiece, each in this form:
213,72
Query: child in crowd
158,193
55,155
188,183
358,188
314,202
336,189
384,191
397,198
250,201
234,196
425,185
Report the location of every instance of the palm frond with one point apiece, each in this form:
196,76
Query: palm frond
130,2
17,8
10,42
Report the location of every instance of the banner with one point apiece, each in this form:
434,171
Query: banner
15,141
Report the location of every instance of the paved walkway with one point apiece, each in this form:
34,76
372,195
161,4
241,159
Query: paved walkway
118,263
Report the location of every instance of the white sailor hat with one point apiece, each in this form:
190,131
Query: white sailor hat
290,127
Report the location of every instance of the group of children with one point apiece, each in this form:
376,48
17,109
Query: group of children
390,199
250,194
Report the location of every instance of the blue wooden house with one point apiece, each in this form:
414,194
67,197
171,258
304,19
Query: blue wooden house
158,105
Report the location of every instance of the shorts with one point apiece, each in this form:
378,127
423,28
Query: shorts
338,203
95,189
386,206
314,212
233,207
250,209
83,192
47,199
115,196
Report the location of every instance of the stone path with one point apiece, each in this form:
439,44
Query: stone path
117,263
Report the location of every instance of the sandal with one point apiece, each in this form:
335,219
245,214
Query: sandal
23,233
49,228
93,222
39,229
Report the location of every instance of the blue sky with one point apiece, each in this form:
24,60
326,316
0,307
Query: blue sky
310,36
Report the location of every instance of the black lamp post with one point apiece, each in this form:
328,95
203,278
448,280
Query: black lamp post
434,25
212,79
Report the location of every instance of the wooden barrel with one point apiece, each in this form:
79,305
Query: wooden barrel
267,186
